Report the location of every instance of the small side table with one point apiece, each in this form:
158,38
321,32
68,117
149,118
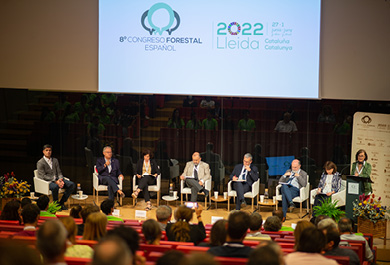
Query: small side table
77,197
168,198
267,202
220,199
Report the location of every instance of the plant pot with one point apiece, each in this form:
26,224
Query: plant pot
368,227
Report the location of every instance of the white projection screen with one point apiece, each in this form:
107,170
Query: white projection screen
256,48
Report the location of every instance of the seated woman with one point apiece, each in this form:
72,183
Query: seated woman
330,183
362,169
176,122
147,172
95,226
11,211
182,230
217,234
152,232
74,250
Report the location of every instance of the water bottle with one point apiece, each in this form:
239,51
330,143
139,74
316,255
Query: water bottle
171,190
79,191
266,194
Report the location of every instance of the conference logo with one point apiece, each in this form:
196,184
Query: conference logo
159,29
366,119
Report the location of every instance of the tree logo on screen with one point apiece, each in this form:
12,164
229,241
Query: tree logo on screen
160,28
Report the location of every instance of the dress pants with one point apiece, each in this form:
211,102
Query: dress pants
143,184
241,188
318,200
195,188
69,187
112,184
289,192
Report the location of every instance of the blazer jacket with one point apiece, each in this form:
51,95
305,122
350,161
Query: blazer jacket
302,178
336,181
103,171
251,177
46,173
155,169
203,170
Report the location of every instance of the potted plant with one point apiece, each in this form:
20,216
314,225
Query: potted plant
329,208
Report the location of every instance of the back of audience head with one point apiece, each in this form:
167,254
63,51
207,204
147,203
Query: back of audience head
218,233
128,235
95,226
163,213
272,224
172,257
71,227
112,250
320,218
51,240
30,214
238,224
107,206
75,211
10,211
255,222
301,225
87,211
43,202
345,225
25,201
10,254
267,253
151,231
278,213
200,259
181,228
332,238
325,223
312,240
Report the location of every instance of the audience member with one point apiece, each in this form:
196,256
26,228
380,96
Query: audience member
95,226
217,234
319,218
75,211
175,122
152,232
189,101
107,207
49,170
242,177
292,181
112,251
43,205
195,175
286,125
85,212
325,223
210,123
246,124
147,173
109,172
345,228
326,115
255,224
278,213
201,259
267,253
51,242
73,249
332,247
194,123
10,254
272,224
172,257
163,216
25,201
10,211
207,103
311,244
182,230
30,216
301,225
238,224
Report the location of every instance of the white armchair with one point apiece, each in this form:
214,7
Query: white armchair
187,190
100,187
303,196
339,196
42,186
250,194
155,188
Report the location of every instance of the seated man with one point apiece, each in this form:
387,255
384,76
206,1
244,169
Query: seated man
43,205
107,207
49,170
292,181
163,216
332,246
255,224
109,172
238,224
195,175
30,216
272,224
243,176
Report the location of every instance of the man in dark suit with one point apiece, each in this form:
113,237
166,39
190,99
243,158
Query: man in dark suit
109,172
243,176
49,170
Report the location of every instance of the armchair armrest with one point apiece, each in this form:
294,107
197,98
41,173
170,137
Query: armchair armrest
229,187
95,180
304,192
313,194
207,185
340,197
41,186
134,180
255,187
158,181
181,185
120,183
278,190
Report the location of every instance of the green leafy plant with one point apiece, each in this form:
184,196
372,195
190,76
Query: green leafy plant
53,207
329,208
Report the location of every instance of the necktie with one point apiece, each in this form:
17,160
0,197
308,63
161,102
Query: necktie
290,178
196,172
244,175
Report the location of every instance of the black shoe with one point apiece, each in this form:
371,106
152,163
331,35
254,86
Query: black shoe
206,192
119,203
243,204
63,207
292,206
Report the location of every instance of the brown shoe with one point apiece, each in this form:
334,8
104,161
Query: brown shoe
283,219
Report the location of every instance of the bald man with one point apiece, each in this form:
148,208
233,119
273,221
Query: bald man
294,179
195,175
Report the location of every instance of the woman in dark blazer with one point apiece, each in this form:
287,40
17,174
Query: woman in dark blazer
147,172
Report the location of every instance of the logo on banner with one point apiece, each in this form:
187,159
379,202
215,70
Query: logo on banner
159,29
366,119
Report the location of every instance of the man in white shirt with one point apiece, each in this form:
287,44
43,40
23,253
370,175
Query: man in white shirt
49,170
286,125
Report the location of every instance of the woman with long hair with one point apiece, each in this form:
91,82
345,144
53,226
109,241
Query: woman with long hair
182,230
11,211
95,226
152,232
176,122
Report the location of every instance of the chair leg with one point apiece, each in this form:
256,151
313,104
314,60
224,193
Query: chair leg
228,203
158,198
253,199
97,197
181,198
205,202
300,210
